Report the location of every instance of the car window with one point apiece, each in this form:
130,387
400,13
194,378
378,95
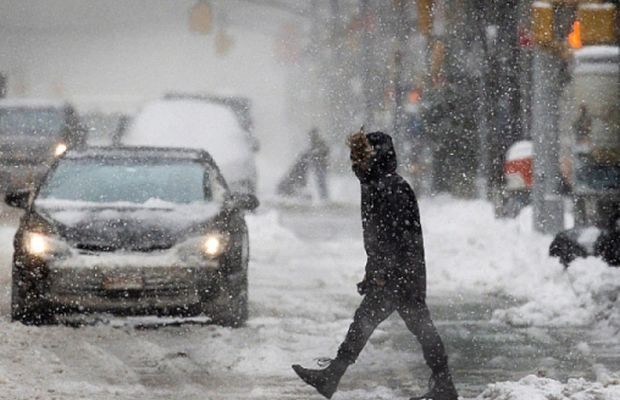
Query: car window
103,181
31,121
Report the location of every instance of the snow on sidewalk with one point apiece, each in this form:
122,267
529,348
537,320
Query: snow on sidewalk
468,250
535,388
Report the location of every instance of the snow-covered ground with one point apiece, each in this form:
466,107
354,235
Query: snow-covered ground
304,266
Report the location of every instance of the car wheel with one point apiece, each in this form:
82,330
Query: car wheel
232,312
237,313
26,304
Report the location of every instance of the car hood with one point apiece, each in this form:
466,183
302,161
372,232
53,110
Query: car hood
126,226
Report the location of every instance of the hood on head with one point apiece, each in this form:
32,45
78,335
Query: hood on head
382,161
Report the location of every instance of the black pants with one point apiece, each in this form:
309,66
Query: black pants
379,304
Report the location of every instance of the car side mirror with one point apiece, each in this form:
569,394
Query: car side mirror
18,198
243,201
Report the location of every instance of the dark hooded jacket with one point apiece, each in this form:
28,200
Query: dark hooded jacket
391,224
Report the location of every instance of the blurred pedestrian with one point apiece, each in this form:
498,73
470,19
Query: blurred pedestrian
395,278
583,127
319,158
314,159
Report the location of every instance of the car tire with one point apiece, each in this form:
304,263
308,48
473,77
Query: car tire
26,304
235,312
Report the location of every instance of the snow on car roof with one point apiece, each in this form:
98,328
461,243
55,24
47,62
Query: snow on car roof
141,152
190,123
32,103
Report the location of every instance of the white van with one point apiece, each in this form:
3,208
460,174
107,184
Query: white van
199,124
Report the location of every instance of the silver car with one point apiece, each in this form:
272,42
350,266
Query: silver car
132,231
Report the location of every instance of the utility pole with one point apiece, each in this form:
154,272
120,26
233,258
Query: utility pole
547,65
399,89
3,85
504,93
336,94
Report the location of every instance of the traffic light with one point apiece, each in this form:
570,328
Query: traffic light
201,18
597,23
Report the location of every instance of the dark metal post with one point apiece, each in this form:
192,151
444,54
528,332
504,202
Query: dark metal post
547,202
366,63
399,89
3,85
504,94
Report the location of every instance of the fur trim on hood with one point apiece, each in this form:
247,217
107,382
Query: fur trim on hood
372,155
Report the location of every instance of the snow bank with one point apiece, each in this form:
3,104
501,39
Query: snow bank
535,388
469,251
6,253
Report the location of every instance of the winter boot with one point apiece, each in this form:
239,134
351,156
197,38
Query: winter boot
325,381
441,388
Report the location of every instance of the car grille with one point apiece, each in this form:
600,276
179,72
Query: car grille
160,280
88,248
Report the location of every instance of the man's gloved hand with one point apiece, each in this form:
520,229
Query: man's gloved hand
379,281
363,287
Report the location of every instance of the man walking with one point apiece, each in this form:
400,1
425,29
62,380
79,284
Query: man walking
395,278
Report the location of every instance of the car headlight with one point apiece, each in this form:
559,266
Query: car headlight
60,149
44,246
214,244
36,244
203,250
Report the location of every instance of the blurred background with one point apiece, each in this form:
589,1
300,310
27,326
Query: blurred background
505,116
457,83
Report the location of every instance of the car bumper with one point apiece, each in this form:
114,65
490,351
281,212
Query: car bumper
84,284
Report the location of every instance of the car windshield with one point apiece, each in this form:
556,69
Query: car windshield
31,121
105,181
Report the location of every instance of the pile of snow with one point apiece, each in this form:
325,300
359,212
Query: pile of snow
6,253
536,388
469,251
587,293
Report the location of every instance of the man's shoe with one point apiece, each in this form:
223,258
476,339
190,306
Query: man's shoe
325,381
442,388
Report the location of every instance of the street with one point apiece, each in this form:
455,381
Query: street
189,189
305,261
